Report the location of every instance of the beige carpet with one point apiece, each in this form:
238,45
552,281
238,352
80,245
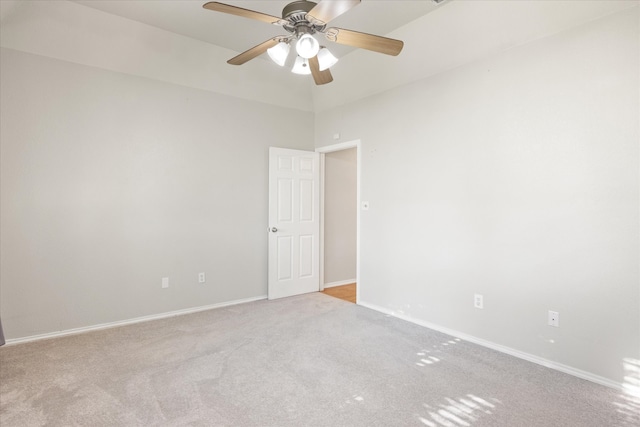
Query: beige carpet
310,360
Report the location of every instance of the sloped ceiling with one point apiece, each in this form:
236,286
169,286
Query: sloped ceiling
182,43
460,32
239,34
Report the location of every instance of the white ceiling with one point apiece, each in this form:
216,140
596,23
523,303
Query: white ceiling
188,18
177,41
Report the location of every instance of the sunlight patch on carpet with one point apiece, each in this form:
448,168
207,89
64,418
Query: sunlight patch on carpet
463,411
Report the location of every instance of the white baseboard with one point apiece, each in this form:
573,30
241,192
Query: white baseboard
130,321
339,283
503,349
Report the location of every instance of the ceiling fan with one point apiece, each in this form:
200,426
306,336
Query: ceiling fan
302,19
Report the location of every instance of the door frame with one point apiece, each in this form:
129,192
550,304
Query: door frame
330,149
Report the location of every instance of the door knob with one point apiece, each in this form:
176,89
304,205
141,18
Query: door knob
274,230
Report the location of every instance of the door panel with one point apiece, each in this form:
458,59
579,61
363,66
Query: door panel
285,200
306,256
294,226
306,200
285,258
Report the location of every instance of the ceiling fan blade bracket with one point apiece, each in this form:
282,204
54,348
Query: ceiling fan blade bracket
332,34
315,22
317,28
284,39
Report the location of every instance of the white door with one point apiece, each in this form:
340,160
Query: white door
294,223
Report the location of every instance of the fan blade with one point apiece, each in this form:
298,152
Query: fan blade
254,51
327,10
245,13
320,77
365,41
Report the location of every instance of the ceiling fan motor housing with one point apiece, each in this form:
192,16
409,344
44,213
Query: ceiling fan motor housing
298,22
297,7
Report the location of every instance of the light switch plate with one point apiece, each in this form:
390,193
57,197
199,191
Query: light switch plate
554,319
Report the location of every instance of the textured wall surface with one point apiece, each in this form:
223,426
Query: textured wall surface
111,182
515,177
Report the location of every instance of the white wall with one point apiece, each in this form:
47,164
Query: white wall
110,182
340,216
516,177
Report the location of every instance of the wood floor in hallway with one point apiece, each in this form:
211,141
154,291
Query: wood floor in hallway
345,292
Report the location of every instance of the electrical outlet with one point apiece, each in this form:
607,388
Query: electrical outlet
201,278
478,301
165,282
554,319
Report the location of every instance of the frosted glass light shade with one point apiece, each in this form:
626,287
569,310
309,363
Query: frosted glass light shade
279,53
301,66
307,46
326,59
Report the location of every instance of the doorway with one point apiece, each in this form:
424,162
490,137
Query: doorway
340,220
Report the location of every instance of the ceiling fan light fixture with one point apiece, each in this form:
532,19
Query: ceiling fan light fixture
279,53
301,66
307,46
326,59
